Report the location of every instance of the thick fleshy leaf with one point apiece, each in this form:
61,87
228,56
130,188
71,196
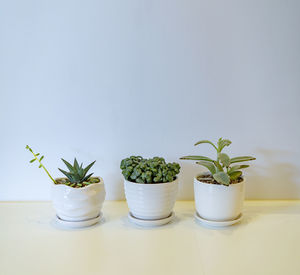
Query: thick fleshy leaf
209,165
225,159
197,158
241,159
219,166
41,158
235,175
206,141
237,167
32,160
222,178
222,143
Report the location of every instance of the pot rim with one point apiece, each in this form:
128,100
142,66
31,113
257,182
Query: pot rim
206,173
101,182
152,183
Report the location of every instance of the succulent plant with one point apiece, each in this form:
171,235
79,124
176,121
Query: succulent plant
222,170
76,177
77,174
154,170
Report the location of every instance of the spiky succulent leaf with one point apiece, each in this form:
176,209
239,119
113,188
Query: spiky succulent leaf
222,178
86,169
69,165
68,175
76,173
87,177
76,165
210,166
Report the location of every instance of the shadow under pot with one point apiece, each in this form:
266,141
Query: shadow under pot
217,202
78,204
151,201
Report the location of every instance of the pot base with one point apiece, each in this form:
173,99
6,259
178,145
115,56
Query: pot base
150,223
217,223
79,224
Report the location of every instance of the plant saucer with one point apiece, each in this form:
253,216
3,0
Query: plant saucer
79,224
150,223
217,223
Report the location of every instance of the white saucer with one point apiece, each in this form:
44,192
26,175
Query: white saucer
79,224
217,223
150,223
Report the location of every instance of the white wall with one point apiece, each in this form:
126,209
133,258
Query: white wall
107,79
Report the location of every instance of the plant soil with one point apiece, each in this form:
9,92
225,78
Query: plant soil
77,184
207,178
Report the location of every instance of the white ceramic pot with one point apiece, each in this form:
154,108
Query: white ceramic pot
216,202
151,201
77,204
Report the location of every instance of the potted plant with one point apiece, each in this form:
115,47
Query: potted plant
219,194
151,187
78,197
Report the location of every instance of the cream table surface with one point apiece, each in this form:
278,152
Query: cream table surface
266,241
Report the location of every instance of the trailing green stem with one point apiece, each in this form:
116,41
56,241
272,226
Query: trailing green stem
40,162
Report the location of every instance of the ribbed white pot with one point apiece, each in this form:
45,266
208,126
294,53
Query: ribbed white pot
151,201
78,204
216,202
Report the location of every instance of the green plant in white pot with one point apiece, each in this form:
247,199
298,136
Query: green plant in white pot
150,188
78,197
219,194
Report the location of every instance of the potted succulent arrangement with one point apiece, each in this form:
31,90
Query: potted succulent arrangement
78,197
151,187
219,194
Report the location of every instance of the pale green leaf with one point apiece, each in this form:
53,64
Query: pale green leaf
241,159
222,178
206,141
225,159
196,158
237,167
209,165
235,175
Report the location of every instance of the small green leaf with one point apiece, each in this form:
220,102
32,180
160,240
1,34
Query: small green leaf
222,178
196,158
37,154
219,166
40,166
225,160
206,141
237,167
210,166
235,175
241,159
41,158
222,143
32,160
